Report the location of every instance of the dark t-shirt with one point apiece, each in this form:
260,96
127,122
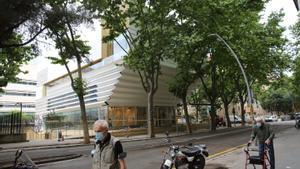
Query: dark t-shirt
118,149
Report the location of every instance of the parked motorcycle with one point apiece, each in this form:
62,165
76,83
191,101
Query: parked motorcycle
184,157
23,161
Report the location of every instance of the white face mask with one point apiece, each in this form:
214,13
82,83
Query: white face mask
258,124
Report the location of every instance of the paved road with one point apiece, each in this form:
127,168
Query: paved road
286,153
6,156
151,158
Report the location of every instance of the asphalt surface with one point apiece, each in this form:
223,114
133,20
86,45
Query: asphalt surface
286,153
148,156
42,154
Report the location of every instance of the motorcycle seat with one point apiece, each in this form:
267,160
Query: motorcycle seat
190,151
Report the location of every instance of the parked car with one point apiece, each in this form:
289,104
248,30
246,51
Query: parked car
285,117
274,118
271,118
268,119
235,119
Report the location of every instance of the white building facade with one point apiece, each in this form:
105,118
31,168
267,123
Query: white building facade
19,96
114,92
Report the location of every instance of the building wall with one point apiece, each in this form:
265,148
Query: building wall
108,82
23,91
107,48
257,110
113,92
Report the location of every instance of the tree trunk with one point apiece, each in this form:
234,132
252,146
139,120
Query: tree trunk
242,104
213,124
197,113
80,94
227,115
186,115
86,137
151,133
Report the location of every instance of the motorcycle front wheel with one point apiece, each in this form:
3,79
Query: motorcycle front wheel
198,163
166,166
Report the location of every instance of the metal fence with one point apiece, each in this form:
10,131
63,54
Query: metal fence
11,123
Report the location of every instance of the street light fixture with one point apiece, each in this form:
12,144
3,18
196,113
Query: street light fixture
242,69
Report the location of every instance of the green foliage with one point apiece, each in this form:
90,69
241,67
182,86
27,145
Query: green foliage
80,86
11,59
180,83
278,96
15,14
53,121
144,25
63,19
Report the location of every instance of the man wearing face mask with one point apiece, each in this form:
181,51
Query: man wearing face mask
108,152
264,134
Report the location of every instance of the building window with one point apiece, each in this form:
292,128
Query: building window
26,82
19,93
14,105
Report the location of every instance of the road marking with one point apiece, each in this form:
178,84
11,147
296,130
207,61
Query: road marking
225,151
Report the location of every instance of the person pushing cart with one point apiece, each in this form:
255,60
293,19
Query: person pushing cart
264,134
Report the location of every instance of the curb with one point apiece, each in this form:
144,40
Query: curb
237,129
48,160
41,147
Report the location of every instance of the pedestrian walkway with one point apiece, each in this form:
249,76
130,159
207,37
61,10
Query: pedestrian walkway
286,154
78,141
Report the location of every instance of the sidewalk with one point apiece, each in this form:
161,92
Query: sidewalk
39,144
286,154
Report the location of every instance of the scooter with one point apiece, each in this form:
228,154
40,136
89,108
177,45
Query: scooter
23,161
184,157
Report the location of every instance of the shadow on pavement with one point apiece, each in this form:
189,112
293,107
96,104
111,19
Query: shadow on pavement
215,166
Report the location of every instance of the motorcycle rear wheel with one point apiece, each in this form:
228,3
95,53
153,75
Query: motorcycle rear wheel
198,163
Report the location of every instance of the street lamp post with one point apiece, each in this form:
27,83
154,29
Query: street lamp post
242,69
20,116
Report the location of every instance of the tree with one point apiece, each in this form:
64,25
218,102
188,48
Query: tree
18,21
279,96
227,91
243,32
63,18
179,87
11,60
296,51
197,98
144,26
186,47
18,17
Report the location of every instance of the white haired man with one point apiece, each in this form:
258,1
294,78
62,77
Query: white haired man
108,149
265,135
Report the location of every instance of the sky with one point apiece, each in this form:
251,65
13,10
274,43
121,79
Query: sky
93,36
